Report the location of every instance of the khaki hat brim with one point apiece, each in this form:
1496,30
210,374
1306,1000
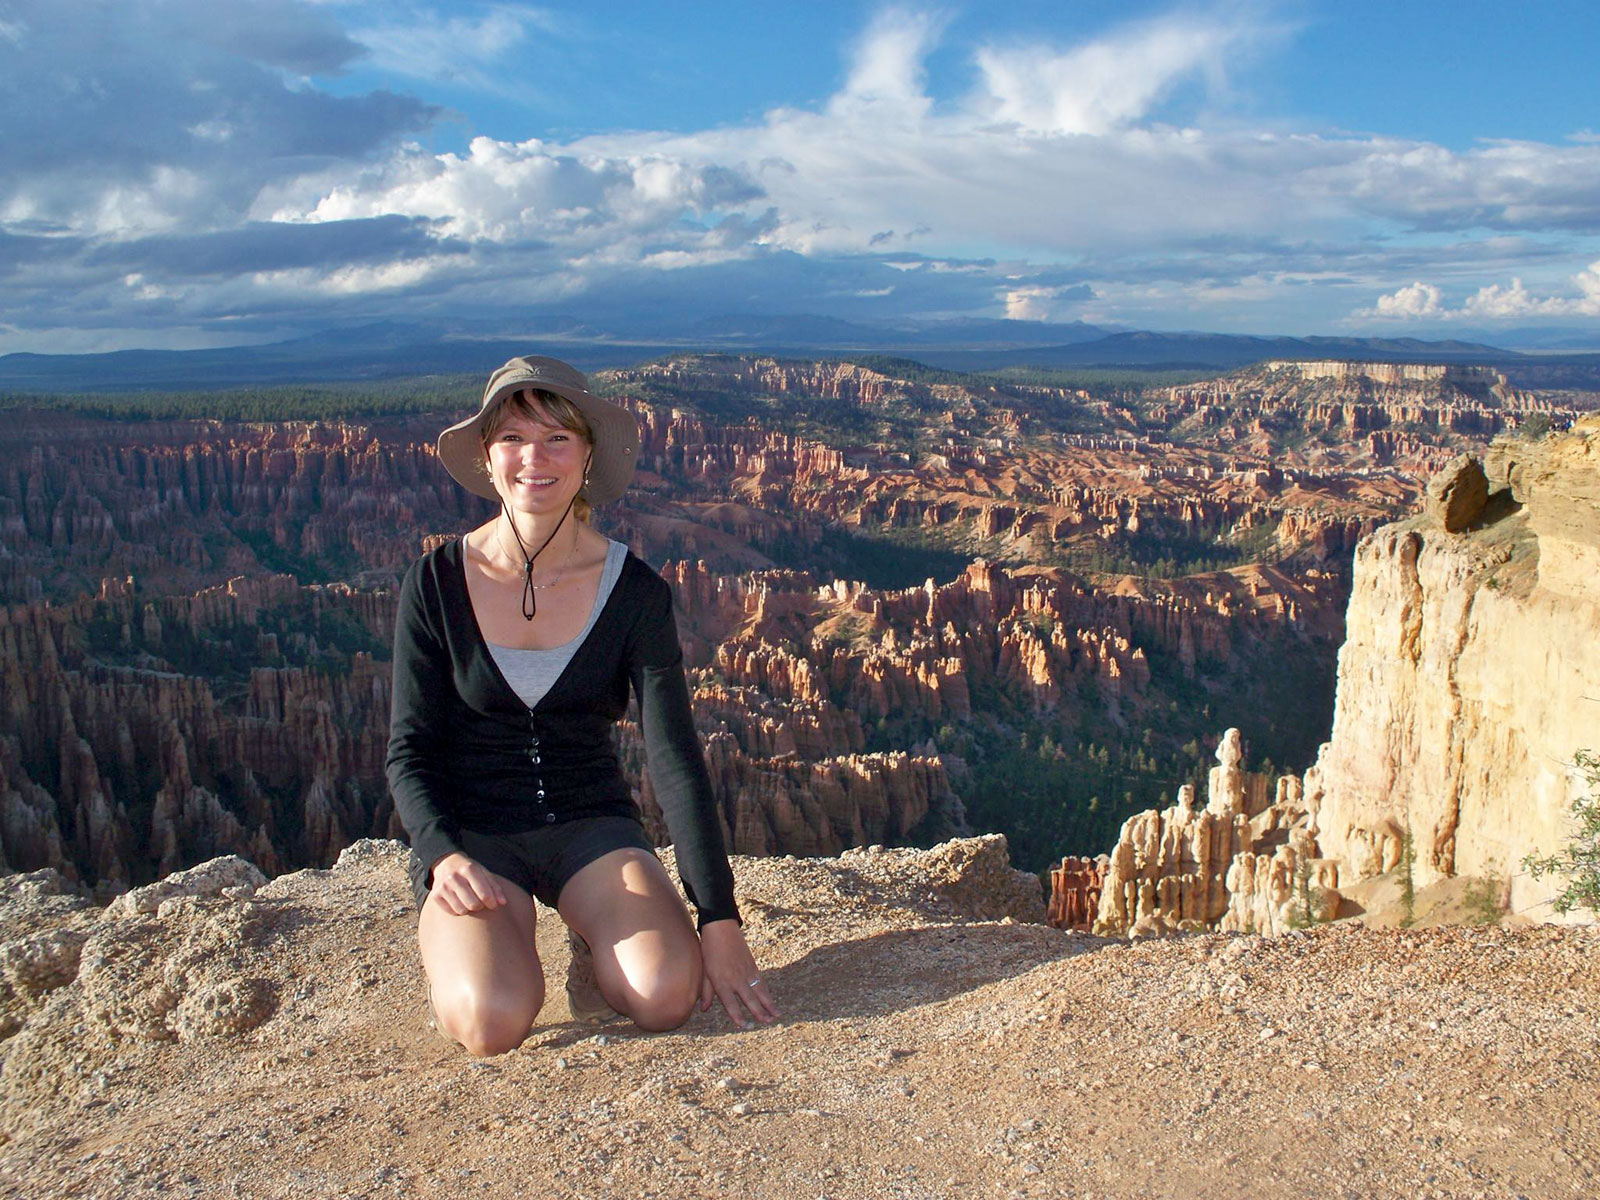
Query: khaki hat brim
616,431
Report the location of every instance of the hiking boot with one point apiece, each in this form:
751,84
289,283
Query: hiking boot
584,999
435,1024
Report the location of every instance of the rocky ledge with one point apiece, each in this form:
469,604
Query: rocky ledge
217,1034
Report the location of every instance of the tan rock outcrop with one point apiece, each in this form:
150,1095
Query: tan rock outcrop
1465,686
210,955
971,876
1467,681
1173,864
230,876
1245,862
1457,494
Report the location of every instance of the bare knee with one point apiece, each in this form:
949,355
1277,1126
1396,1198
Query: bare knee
486,1041
667,1001
487,1023
661,1014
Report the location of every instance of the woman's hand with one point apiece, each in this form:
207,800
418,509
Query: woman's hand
731,976
463,885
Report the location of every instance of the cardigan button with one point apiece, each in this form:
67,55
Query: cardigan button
539,795
549,818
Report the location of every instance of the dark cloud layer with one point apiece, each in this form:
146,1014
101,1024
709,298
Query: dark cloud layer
125,114
273,246
269,32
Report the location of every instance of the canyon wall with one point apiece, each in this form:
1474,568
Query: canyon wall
196,613
1391,374
1466,683
1469,677
1408,414
186,505
140,733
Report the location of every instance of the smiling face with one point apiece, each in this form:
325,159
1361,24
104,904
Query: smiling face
535,458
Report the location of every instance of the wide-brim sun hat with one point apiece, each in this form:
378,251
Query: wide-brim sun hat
616,432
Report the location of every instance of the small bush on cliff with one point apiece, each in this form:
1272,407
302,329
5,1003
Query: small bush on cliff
1580,861
1482,901
1534,426
1408,882
1303,911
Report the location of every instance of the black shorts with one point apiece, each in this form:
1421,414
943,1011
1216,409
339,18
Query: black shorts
540,861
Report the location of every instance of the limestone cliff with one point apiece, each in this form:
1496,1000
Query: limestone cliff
1470,675
1467,681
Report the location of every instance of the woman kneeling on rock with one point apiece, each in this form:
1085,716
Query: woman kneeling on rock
514,650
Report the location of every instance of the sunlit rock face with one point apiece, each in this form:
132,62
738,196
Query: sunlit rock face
1466,683
1465,687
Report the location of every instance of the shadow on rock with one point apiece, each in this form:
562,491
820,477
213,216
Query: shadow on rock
905,969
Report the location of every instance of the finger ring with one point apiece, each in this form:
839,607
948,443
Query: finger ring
753,982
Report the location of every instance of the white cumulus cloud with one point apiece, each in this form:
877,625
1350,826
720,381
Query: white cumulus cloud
1028,304
888,70
514,192
1414,300
1494,302
1056,154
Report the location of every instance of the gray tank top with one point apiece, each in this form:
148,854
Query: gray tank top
532,673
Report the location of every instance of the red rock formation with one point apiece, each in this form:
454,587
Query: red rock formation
170,691
1075,887
117,773
1360,399
190,502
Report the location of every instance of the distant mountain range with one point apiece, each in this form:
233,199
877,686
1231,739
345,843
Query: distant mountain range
394,350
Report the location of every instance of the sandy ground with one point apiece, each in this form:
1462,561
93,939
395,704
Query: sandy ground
277,1046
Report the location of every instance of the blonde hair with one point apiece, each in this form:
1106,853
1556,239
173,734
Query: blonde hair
536,404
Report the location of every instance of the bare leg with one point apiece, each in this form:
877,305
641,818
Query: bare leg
483,971
646,953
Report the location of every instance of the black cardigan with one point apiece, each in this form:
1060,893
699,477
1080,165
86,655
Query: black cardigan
466,753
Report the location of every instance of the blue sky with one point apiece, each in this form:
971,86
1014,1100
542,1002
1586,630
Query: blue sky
208,172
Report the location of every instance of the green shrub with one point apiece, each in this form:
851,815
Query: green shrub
1534,426
1408,883
1580,861
1303,911
1482,901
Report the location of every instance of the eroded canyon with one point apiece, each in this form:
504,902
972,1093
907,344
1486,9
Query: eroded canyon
913,605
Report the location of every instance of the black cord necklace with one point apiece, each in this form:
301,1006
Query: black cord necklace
530,605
